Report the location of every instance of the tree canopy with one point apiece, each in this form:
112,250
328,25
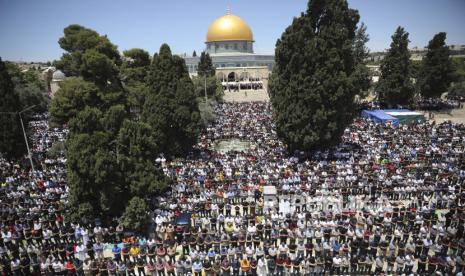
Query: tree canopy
135,65
89,55
29,87
436,71
314,79
395,86
12,143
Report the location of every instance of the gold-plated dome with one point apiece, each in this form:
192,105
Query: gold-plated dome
228,28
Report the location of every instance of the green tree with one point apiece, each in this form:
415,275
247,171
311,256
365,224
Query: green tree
457,90
137,58
170,107
86,121
111,155
11,136
415,66
436,72
98,68
194,54
134,73
73,96
135,65
137,92
458,63
136,152
94,177
214,88
135,215
361,52
205,66
30,89
313,84
89,55
395,86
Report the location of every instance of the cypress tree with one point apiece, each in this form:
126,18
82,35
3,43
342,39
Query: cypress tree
205,66
436,71
394,86
313,83
170,107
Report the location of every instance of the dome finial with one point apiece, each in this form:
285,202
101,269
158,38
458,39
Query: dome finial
228,10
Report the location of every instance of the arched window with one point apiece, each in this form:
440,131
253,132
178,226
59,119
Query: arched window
244,76
221,76
232,76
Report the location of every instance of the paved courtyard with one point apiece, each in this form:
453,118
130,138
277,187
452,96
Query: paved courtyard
454,115
246,96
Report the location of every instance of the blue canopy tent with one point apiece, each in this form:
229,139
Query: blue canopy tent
406,116
380,117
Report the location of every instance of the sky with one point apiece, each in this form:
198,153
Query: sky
30,29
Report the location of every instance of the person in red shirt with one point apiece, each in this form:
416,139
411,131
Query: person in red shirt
280,265
71,270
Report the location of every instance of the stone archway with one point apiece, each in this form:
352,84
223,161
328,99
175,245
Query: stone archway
244,76
221,76
232,77
256,76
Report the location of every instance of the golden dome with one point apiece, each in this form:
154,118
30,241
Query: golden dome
229,28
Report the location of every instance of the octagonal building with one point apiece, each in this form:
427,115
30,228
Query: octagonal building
229,41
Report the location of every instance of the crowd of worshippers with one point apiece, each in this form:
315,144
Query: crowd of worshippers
437,104
386,200
236,87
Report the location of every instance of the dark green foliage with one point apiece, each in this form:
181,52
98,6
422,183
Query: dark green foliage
136,152
362,74
98,68
30,89
171,108
134,73
73,96
136,96
86,121
205,66
111,159
113,119
436,72
415,66
194,54
458,64
457,90
135,215
214,88
93,176
313,84
11,136
135,141
361,51
138,58
163,71
135,66
395,86
89,55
